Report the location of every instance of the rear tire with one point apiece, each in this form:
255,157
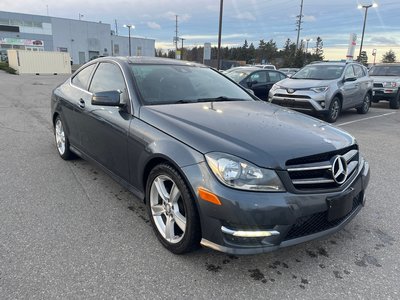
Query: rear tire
364,108
395,102
62,142
172,210
334,110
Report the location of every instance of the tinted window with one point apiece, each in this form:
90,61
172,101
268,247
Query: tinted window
165,84
275,76
238,75
260,77
82,78
108,77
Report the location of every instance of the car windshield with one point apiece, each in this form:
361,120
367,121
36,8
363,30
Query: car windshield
385,71
319,72
238,75
167,84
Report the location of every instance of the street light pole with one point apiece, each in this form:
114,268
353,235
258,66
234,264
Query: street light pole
365,21
221,7
129,26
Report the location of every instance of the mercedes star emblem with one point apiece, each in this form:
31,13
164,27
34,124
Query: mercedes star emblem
339,169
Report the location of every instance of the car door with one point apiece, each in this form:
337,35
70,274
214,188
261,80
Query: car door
350,87
364,84
104,128
77,90
272,78
257,81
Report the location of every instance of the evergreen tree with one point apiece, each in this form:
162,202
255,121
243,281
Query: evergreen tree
389,57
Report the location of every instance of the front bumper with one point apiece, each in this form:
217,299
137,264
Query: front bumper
300,100
384,94
257,222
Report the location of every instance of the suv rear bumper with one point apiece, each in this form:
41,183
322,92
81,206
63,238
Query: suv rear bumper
383,94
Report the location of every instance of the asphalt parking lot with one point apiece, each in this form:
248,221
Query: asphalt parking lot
68,231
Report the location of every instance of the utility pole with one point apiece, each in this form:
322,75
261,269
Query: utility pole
176,32
182,39
116,27
299,21
221,7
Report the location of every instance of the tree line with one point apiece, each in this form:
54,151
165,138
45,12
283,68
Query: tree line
266,52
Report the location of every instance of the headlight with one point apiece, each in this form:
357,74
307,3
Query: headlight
321,89
389,84
275,87
240,174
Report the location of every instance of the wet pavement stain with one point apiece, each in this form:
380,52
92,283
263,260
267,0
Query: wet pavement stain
213,268
368,260
304,281
322,251
311,253
286,266
337,274
257,275
346,272
294,276
384,237
298,260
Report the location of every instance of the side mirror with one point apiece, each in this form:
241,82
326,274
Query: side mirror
107,98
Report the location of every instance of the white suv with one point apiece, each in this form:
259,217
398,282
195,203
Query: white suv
325,88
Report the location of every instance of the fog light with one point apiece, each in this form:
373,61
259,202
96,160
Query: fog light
322,104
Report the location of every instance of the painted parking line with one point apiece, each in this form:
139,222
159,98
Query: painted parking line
369,118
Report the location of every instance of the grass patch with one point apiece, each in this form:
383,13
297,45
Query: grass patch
5,67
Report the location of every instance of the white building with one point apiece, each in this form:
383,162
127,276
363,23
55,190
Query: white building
82,39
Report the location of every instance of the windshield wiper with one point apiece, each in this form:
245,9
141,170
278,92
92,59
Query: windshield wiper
220,98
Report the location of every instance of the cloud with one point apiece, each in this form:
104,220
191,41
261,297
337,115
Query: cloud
213,7
170,15
309,18
382,40
153,25
245,16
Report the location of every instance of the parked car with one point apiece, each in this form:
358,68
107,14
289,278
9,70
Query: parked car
326,89
214,165
386,83
289,71
258,80
269,67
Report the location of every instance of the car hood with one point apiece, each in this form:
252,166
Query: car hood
303,83
385,78
262,133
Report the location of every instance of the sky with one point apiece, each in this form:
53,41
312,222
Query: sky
250,20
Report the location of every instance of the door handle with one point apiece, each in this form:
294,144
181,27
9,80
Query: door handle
81,103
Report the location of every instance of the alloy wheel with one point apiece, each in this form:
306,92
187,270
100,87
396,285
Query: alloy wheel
60,137
168,209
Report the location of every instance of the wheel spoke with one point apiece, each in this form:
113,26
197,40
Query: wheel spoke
159,183
169,229
157,210
180,220
174,194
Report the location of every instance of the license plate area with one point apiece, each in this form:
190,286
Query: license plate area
340,206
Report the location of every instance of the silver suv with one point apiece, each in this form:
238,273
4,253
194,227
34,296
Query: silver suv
325,88
386,83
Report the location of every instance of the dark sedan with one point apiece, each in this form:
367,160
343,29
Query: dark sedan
214,165
256,79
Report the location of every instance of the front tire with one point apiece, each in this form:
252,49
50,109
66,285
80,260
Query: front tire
395,102
62,141
172,210
334,110
364,108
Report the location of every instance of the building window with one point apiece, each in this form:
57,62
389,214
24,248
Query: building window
139,51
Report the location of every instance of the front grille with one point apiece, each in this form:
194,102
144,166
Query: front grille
293,96
379,85
315,172
318,222
292,103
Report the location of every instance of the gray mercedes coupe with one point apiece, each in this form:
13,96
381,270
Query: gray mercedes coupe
215,165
